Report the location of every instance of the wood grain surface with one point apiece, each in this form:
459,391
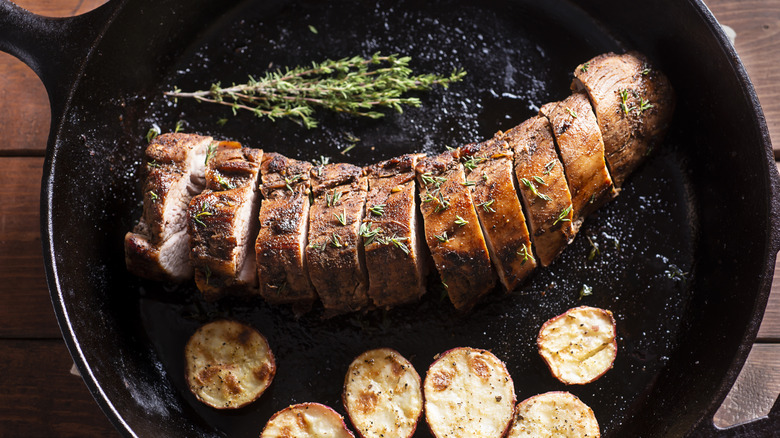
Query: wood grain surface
40,397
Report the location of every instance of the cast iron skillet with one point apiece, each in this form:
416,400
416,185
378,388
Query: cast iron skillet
686,253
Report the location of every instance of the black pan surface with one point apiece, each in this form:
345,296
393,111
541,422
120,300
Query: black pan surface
680,270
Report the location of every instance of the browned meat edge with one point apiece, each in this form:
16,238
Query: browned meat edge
581,148
542,186
282,274
452,230
222,222
489,170
158,247
633,102
335,251
396,257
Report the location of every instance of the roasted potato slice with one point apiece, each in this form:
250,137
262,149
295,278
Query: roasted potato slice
554,414
382,394
470,394
306,420
579,345
229,364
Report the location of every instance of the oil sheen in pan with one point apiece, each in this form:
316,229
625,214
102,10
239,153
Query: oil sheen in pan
517,59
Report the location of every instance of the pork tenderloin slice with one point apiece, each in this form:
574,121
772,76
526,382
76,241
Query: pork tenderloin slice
452,230
280,248
158,247
633,103
547,201
334,253
579,141
222,222
488,168
396,276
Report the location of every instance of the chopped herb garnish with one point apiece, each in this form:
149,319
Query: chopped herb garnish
487,206
211,152
377,210
333,199
539,180
319,246
484,176
585,291
584,67
289,181
398,243
594,249
323,160
644,105
224,183
443,203
468,183
437,181
179,126
153,195
342,218
548,167
153,163
369,235
533,189
442,237
153,132
460,221
203,212
562,215
222,121
571,112
313,29
525,253
335,242
624,101
472,162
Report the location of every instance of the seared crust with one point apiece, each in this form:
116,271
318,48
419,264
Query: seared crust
282,274
334,252
395,276
488,166
579,141
548,204
452,230
633,103
158,247
222,221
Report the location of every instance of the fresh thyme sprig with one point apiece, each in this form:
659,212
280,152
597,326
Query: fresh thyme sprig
355,86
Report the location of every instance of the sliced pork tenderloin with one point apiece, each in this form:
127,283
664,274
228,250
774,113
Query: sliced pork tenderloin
633,103
334,254
396,255
452,230
223,222
542,186
283,277
579,141
489,173
158,247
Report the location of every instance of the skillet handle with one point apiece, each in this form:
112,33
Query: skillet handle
54,48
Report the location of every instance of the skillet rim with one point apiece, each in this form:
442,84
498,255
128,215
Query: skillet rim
747,339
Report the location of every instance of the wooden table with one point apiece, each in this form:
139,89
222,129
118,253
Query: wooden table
39,397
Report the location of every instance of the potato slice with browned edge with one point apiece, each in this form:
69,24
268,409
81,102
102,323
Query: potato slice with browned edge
554,414
468,394
579,345
306,420
229,364
382,395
